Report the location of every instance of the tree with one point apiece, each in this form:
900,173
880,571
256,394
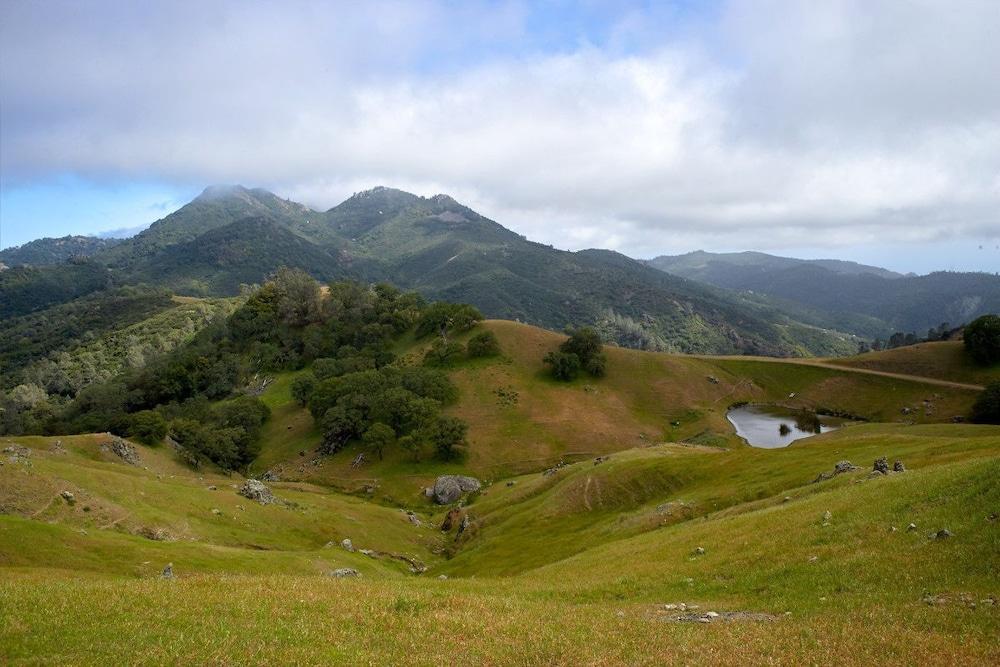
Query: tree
446,435
442,352
565,366
377,438
302,388
441,318
982,339
147,426
585,343
483,344
986,409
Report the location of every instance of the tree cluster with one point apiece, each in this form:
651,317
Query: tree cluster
582,351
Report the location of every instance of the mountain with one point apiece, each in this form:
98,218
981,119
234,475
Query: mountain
866,301
448,251
231,235
42,252
695,265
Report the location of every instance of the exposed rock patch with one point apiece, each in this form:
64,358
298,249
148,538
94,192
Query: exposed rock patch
123,450
449,488
344,572
254,489
838,469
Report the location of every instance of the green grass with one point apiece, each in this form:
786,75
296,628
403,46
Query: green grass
945,360
570,568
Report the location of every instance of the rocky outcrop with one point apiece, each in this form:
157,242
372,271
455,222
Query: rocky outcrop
450,488
254,489
344,572
838,469
123,450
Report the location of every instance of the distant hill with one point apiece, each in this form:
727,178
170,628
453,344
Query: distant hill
231,235
42,252
867,301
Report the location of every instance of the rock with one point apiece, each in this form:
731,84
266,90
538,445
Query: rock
711,614
449,488
18,453
898,466
464,524
912,526
123,450
827,515
881,466
344,572
905,411
270,476
813,559
347,544
413,518
712,379
787,499
699,551
213,487
844,466
216,511
512,482
892,529
168,571
443,577
254,489
68,497
942,534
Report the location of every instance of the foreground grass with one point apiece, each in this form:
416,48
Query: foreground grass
859,602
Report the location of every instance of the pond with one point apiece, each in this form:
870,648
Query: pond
771,427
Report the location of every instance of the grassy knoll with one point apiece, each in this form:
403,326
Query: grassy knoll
946,360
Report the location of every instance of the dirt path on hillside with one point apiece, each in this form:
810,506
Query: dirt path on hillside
821,363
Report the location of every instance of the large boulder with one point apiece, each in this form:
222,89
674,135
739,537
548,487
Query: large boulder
449,488
123,450
254,489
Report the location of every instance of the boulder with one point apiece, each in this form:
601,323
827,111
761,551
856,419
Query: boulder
881,466
942,534
449,488
898,466
843,466
254,489
347,544
344,572
168,571
68,497
123,450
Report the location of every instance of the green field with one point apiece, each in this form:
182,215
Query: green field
572,567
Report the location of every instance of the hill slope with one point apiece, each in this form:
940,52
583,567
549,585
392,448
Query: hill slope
41,252
862,300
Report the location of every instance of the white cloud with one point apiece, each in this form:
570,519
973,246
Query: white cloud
786,124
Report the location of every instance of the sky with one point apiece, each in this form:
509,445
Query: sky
865,130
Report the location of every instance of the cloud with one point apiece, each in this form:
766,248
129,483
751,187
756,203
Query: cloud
762,124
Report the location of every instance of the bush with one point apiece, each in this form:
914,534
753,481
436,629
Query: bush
565,366
986,409
483,344
147,426
982,339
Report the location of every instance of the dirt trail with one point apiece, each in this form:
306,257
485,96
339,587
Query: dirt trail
822,363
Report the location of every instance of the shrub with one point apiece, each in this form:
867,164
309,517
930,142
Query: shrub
565,366
147,426
483,344
982,339
377,438
986,409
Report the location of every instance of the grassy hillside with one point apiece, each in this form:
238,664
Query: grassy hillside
521,419
945,360
586,557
